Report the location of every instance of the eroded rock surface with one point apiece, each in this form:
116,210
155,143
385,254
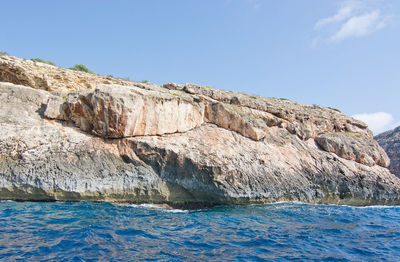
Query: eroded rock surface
390,141
254,116
48,160
354,147
303,120
183,145
227,167
114,111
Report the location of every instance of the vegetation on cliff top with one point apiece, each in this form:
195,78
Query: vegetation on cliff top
43,61
82,68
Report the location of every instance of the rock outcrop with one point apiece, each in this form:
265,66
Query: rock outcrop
114,111
390,141
49,77
184,145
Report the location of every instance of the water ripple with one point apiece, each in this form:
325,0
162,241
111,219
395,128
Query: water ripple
284,231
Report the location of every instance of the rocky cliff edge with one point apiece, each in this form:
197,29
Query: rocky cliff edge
67,135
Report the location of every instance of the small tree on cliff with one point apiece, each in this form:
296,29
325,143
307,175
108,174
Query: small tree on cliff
82,68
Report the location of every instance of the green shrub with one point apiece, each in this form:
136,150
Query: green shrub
283,99
144,81
175,94
42,61
82,68
3,53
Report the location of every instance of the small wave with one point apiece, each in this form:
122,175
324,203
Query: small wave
159,207
7,201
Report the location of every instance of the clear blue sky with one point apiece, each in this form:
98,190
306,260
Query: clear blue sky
343,54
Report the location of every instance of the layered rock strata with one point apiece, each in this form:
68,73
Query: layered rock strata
184,145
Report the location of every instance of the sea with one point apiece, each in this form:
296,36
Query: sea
85,231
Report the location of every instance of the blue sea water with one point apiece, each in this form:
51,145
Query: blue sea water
85,231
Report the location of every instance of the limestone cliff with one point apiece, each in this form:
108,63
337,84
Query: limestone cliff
184,145
390,141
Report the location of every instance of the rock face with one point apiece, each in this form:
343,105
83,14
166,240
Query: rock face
116,111
353,146
390,141
184,145
46,160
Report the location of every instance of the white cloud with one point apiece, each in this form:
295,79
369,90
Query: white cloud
343,13
353,19
377,122
360,26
